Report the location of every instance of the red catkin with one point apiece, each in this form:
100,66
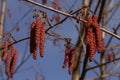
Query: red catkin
57,18
32,38
7,63
99,41
110,57
35,37
37,30
42,38
67,51
90,39
5,50
71,60
114,57
13,63
44,1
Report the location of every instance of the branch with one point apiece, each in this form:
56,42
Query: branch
52,9
69,15
98,4
103,2
101,65
2,19
118,37
112,47
50,34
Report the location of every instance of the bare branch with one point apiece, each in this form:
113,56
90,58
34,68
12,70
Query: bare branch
69,15
100,65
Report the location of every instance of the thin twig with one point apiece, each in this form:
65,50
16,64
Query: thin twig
103,2
98,4
112,47
100,65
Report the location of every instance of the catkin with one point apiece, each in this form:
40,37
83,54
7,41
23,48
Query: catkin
32,38
42,38
37,36
99,41
90,39
71,60
37,30
32,41
7,63
5,50
114,57
67,51
13,63
110,57
44,1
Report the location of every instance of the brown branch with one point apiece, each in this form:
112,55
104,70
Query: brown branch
116,36
101,65
52,9
98,4
85,62
50,34
69,15
2,19
112,47
101,10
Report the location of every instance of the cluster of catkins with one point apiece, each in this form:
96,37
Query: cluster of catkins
37,37
69,58
93,38
10,58
111,57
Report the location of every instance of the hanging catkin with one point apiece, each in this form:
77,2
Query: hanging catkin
37,30
7,63
67,52
44,1
90,40
99,41
5,50
37,36
114,57
71,60
42,38
32,38
13,63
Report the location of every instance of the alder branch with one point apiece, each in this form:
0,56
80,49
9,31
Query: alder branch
50,34
2,18
101,65
112,47
54,10
103,2
69,15
98,4
118,37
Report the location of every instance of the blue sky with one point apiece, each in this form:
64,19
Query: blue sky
51,65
